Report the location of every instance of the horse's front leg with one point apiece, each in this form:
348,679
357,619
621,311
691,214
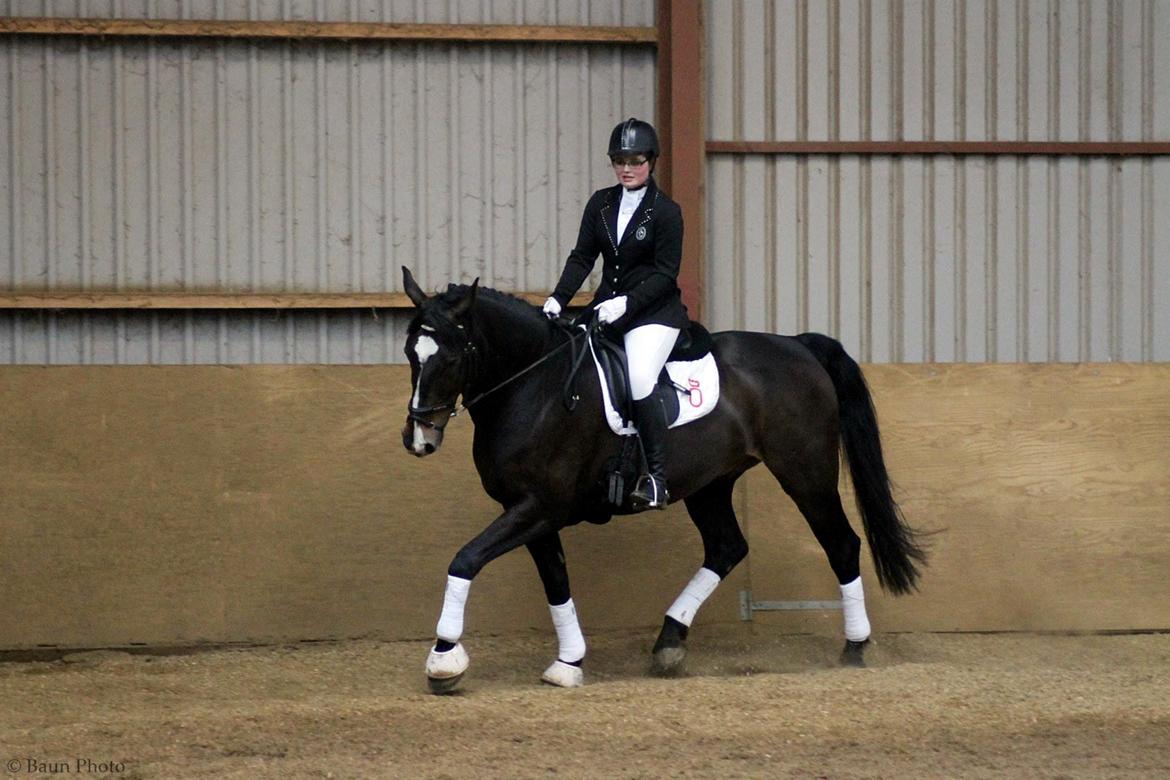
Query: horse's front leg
549,557
519,524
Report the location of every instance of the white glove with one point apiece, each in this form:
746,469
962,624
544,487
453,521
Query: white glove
611,310
552,308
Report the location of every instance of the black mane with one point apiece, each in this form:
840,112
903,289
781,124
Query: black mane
496,299
515,328
486,299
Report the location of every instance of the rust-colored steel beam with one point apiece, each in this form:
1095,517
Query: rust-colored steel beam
681,131
372,31
1050,148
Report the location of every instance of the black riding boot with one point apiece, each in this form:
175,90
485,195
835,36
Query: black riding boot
651,492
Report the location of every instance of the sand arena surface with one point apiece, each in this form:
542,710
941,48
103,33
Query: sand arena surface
753,703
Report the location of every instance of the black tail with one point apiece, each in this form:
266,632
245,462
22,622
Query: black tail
893,544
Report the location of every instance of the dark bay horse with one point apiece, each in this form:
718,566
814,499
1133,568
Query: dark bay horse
788,402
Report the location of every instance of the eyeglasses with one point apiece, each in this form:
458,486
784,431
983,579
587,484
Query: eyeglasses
628,162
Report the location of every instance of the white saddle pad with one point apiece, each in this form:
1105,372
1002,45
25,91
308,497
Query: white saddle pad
700,376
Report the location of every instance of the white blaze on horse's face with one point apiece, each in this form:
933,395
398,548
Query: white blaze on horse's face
424,349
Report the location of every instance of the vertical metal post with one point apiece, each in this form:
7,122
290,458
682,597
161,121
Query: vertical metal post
682,132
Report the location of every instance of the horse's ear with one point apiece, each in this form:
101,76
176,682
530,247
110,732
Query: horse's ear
413,291
464,304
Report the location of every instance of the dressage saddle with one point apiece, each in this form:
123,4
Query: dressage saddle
693,343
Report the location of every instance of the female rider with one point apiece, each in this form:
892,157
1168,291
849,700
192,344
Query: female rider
638,229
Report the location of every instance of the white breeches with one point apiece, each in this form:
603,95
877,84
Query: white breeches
647,348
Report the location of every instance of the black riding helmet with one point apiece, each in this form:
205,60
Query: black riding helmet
634,136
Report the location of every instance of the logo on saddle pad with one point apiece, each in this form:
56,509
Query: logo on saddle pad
696,394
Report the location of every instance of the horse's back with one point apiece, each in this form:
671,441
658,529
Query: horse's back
769,359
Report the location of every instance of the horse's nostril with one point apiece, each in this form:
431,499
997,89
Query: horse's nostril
430,448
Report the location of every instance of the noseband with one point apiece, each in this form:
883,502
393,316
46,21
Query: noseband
421,414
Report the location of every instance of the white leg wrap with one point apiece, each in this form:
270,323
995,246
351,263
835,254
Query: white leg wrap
853,604
572,642
701,586
450,626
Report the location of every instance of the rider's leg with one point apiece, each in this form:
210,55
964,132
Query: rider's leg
647,348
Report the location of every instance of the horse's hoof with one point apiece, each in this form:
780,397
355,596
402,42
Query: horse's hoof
854,653
442,685
445,670
563,675
668,660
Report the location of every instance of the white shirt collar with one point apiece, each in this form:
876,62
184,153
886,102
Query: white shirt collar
631,199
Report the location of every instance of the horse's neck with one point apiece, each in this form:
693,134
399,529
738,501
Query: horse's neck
507,342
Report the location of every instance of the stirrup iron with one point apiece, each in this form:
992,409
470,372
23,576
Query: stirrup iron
650,493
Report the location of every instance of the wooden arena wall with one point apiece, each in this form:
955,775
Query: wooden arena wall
181,505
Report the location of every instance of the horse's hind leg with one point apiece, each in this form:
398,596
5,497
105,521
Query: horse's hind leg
723,547
549,557
815,492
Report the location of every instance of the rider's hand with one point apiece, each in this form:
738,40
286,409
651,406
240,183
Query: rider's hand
552,308
611,310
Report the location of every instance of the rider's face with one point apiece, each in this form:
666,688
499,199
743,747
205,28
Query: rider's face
632,171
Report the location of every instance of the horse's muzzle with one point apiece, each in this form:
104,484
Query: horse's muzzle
420,439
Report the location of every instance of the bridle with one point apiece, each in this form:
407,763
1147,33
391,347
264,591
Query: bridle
422,414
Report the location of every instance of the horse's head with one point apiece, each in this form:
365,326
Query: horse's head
439,347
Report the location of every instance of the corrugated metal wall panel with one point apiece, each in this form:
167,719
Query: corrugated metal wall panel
467,160
566,12
946,259
102,338
942,258
296,166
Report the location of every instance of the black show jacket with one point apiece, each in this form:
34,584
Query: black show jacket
643,266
